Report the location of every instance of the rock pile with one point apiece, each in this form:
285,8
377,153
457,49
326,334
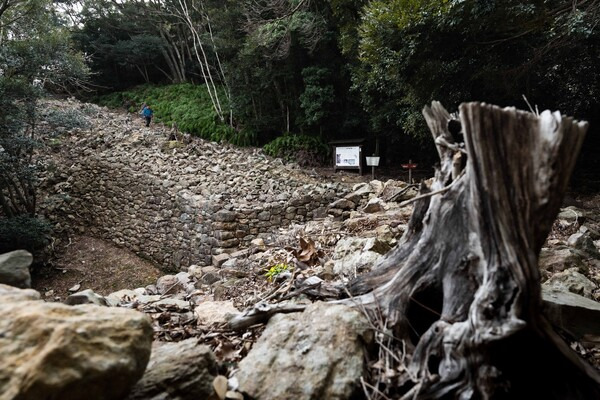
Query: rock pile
14,268
177,205
224,217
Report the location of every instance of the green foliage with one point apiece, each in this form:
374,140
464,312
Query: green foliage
24,232
351,68
415,51
36,55
271,273
187,105
318,96
303,149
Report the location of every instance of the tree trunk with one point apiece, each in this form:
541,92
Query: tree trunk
462,288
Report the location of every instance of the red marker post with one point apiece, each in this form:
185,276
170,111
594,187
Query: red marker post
410,166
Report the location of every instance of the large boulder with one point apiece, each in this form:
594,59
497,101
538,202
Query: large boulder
14,268
177,371
10,294
56,351
317,354
571,313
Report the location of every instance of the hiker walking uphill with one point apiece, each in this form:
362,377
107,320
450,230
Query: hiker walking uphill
147,113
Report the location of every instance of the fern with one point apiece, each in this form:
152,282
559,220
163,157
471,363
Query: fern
187,105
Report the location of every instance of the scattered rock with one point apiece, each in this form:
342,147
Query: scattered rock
343,204
317,354
195,271
168,284
583,242
560,258
570,280
214,312
374,205
55,351
258,243
170,304
571,215
74,288
376,245
594,234
327,272
353,255
232,263
86,297
376,187
177,371
394,190
128,296
387,236
209,278
183,277
219,259
14,268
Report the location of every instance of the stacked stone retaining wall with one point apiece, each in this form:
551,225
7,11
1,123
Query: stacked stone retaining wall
176,206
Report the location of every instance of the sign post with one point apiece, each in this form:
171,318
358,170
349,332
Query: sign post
410,166
347,154
372,162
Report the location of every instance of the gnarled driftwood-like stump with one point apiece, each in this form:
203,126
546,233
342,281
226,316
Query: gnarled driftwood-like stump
462,287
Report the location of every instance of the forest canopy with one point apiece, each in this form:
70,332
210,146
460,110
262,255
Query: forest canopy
337,69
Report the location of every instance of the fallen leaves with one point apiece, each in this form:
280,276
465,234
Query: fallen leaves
308,254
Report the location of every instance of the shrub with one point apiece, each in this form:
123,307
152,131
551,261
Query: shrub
24,232
307,151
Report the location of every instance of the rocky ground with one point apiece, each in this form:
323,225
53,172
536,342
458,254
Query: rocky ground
203,349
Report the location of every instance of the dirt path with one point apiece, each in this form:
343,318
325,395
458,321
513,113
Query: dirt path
94,264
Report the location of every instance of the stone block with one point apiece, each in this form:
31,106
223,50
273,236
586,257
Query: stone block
224,235
225,216
219,259
224,226
264,216
229,243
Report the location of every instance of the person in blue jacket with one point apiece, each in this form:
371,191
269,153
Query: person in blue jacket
147,113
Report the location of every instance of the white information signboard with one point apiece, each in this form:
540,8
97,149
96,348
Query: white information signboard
347,156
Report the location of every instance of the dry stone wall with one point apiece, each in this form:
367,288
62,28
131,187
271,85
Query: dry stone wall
177,204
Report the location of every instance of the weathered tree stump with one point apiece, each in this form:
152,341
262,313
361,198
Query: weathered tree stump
462,288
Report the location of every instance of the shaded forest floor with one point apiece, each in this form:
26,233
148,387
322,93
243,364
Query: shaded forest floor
95,264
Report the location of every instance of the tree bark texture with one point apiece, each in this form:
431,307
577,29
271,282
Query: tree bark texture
462,288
